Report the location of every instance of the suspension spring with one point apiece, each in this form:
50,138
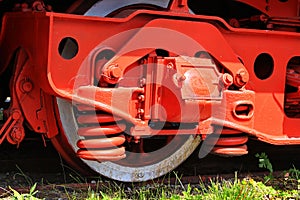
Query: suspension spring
101,135
230,142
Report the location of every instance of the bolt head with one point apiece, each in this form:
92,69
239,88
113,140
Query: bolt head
115,72
227,79
27,86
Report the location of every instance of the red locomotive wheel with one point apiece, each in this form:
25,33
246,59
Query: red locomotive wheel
148,159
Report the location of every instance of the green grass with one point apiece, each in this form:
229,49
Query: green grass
237,189
219,189
286,187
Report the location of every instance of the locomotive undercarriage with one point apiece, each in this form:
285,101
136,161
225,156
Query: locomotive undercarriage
132,95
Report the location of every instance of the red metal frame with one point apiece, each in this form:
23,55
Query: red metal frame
47,73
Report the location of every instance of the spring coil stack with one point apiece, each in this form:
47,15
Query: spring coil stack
229,142
101,135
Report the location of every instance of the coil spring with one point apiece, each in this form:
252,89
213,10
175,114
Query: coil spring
101,135
231,142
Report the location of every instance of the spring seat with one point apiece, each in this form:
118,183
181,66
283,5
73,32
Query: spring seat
101,135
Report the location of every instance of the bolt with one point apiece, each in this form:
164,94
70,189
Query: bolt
141,111
17,134
26,86
112,74
178,79
170,65
243,74
142,82
141,98
38,6
227,79
139,174
241,77
114,71
16,114
263,18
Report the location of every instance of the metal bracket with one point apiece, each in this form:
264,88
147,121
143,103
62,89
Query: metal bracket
12,129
